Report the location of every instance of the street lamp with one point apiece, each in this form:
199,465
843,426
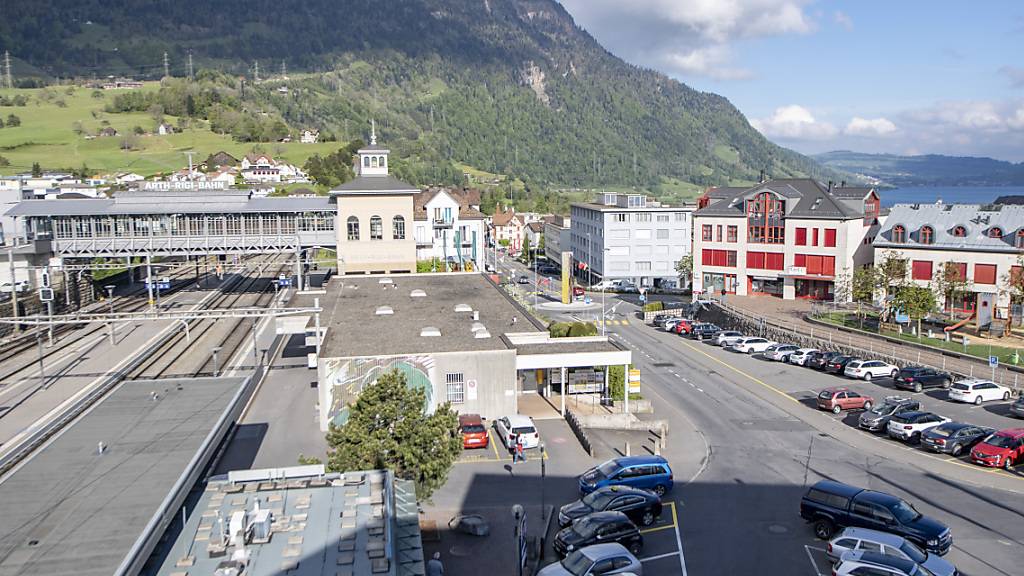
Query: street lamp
110,298
543,503
518,532
604,267
215,351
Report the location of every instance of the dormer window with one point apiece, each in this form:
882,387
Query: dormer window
366,161
899,234
927,235
959,231
995,232
1019,240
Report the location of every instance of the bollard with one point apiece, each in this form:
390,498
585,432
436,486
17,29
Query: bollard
627,448
657,448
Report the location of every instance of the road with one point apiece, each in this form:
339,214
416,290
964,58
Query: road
766,447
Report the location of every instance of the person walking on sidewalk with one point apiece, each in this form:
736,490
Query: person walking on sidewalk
434,566
519,449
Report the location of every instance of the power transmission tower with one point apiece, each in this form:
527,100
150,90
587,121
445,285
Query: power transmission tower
256,72
284,69
167,67
7,69
190,75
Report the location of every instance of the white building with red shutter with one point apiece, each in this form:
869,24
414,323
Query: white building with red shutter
788,238
984,241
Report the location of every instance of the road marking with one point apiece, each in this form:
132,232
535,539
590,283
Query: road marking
741,372
657,529
661,556
811,556
494,445
679,540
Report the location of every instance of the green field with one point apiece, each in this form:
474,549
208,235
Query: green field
46,136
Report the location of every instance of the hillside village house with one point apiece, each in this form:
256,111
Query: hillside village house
507,228
449,226
219,160
309,136
262,168
534,233
164,129
788,238
128,177
984,242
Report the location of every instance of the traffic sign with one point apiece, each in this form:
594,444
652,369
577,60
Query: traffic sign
46,294
284,281
993,361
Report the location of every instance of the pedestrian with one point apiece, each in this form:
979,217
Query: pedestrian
512,440
435,567
519,448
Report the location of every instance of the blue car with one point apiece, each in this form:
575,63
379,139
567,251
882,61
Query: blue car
646,472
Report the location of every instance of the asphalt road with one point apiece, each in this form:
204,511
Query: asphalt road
741,514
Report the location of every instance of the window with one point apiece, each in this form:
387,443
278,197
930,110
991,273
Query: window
398,228
814,236
961,268
643,234
927,235
1019,241
662,234
870,546
921,270
643,266
366,161
663,218
730,233
373,162
680,216
618,250
622,217
985,274
765,260
995,232
830,237
456,387
899,234
764,219
643,217
801,236
718,258
871,208
706,232
383,161
353,228
376,228
718,233
959,231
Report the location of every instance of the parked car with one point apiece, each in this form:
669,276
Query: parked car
727,338
830,505
779,352
869,369
511,427
821,360
647,472
1017,408
954,437
578,292
877,419
917,378
1004,448
597,528
642,506
862,563
977,391
627,288
704,330
839,398
523,279
800,356
666,321
474,433
909,426
838,363
867,540
751,345
684,326
599,559
547,270
18,286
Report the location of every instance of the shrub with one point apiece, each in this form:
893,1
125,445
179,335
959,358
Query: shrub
654,306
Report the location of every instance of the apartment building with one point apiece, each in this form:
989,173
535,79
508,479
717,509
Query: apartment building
557,232
630,237
449,227
788,238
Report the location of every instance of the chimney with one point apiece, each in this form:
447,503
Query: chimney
829,186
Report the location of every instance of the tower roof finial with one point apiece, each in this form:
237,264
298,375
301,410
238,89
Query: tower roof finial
373,132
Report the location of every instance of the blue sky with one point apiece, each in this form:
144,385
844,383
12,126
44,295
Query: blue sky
905,76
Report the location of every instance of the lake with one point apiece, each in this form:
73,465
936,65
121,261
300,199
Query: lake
948,194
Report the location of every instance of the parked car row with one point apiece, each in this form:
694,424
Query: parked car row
688,327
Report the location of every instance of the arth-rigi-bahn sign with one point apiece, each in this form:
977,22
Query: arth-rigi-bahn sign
164,186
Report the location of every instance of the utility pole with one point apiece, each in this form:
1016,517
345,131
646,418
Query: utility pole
167,67
256,72
7,69
284,70
190,75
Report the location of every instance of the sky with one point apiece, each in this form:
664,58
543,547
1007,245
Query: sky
902,77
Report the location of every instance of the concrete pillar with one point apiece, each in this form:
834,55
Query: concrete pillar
625,382
564,389
131,271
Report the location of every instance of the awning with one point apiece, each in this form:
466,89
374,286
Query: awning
768,278
809,277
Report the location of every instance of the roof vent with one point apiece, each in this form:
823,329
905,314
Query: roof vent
430,332
480,334
385,280
385,310
463,308
477,326
417,294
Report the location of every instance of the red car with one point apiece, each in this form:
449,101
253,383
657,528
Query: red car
840,398
683,326
577,291
1004,448
474,433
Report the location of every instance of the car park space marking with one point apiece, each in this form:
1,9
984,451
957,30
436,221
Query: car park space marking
659,557
811,557
679,542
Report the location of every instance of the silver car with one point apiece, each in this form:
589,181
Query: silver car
888,544
779,352
602,559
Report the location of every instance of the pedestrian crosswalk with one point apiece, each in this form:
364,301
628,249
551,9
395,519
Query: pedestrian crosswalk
614,322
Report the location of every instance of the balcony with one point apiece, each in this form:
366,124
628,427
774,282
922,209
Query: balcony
442,223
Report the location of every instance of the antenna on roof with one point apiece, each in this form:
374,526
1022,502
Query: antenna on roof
373,132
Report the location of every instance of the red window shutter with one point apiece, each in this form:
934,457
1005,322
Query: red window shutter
774,261
814,236
719,257
921,270
814,264
800,260
1015,272
801,236
984,273
828,265
755,260
830,237
962,266
705,257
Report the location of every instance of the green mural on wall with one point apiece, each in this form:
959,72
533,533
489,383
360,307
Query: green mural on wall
347,378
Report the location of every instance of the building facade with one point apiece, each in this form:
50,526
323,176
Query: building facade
789,238
375,217
984,243
507,228
628,236
557,232
449,228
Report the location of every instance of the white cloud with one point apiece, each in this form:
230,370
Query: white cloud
794,122
690,37
1016,122
966,115
1014,74
843,19
869,127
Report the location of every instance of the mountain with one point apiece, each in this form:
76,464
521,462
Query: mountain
928,170
505,86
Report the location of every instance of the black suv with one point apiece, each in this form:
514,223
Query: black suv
918,378
877,419
704,330
599,528
642,507
818,360
838,364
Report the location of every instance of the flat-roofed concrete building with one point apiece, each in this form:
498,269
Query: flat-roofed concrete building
557,238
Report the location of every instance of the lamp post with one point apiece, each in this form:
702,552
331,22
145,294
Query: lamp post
110,298
603,324
543,503
519,534
216,371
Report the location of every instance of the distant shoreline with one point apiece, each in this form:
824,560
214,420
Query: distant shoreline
948,194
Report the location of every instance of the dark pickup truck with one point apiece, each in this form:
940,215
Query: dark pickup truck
831,505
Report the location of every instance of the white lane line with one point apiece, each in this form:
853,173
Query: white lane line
679,540
691,384
811,556
678,376
700,389
660,556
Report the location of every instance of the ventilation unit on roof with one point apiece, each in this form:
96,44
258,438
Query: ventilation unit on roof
477,326
385,280
463,308
430,332
385,310
417,294
481,334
